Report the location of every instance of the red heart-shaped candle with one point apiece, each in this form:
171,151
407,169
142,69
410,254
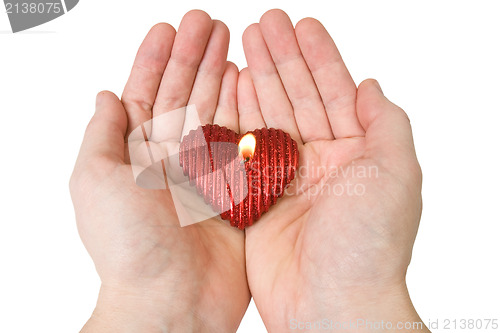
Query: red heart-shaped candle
240,183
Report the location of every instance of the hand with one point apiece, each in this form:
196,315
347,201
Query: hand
156,275
338,244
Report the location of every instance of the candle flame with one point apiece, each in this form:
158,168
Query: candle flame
246,147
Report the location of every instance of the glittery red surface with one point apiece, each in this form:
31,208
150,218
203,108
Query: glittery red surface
268,173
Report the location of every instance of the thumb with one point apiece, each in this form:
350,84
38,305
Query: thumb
104,136
389,138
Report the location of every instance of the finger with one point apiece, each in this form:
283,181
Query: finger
104,137
226,113
335,85
388,132
140,91
207,84
310,114
178,78
249,114
273,100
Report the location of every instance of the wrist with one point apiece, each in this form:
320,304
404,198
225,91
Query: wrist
367,310
122,310
380,310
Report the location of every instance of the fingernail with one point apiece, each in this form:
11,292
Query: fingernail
378,86
98,100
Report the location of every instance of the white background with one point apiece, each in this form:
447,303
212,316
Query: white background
439,61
